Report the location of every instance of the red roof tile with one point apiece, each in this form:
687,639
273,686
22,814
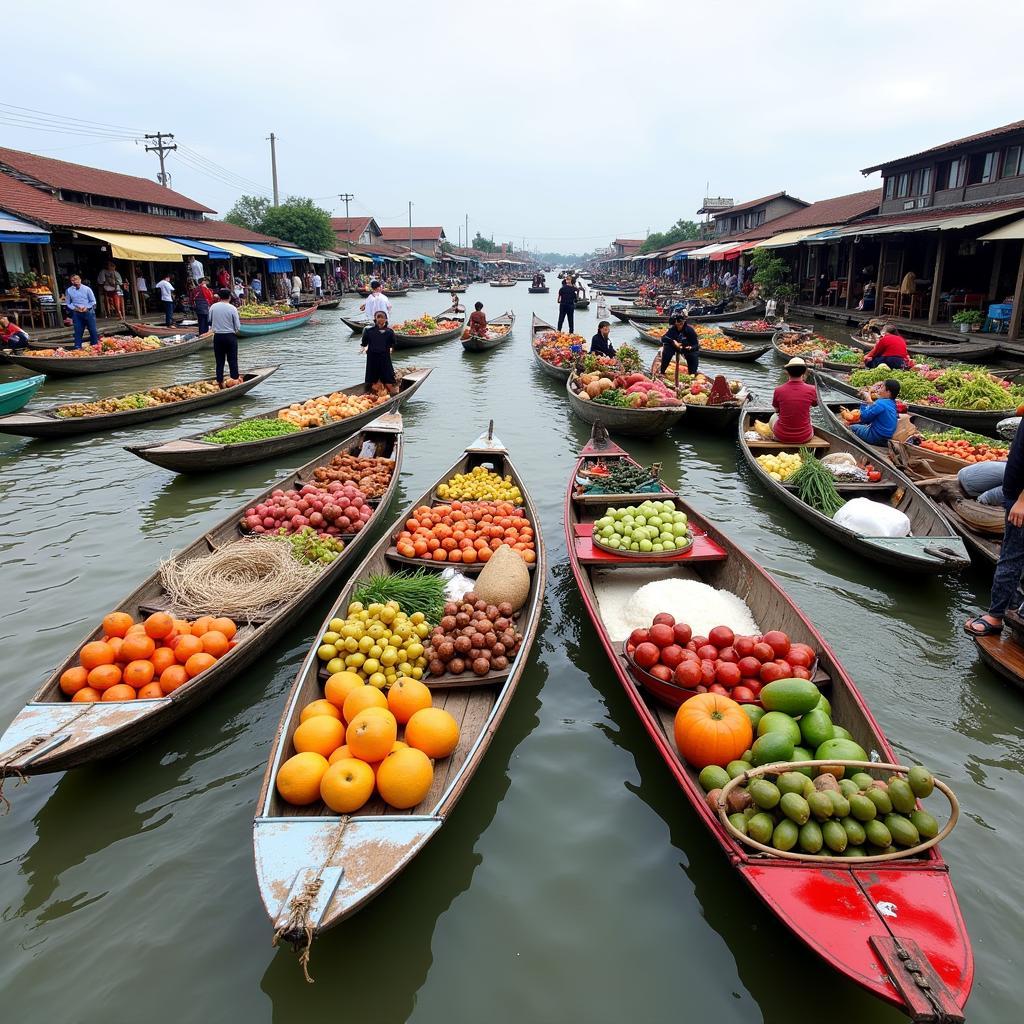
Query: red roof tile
757,202
992,133
350,228
418,234
942,212
628,241
79,178
839,210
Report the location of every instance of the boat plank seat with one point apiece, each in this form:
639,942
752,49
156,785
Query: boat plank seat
817,442
704,549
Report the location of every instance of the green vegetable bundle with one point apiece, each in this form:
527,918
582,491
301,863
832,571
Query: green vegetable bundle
629,357
419,591
613,396
913,387
815,485
251,430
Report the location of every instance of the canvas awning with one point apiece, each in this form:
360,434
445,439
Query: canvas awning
736,250
951,223
208,247
423,259
14,229
313,257
275,252
238,249
709,250
1008,232
788,238
143,247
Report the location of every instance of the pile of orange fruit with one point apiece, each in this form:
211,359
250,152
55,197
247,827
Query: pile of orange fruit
146,660
347,745
466,531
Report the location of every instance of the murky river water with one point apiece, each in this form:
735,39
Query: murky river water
573,881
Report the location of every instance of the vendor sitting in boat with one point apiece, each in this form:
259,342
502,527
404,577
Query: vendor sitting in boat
478,321
879,415
682,339
378,342
600,343
890,350
792,402
11,334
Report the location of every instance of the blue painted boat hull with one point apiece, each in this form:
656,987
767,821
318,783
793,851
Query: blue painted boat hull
18,393
273,324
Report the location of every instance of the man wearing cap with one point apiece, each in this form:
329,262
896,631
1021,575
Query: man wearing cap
792,402
680,338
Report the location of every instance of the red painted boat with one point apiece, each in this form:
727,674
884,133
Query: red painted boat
877,923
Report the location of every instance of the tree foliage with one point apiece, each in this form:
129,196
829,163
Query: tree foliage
771,275
681,231
483,244
248,212
299,221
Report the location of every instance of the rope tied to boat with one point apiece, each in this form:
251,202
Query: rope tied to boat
298,928
8,768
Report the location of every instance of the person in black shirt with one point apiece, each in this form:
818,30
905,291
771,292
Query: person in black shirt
377,344
600,344
682,338
566,303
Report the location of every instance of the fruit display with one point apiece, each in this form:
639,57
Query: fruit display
473,637
780,467
760,326
466,532
964,445
480,484
954,388
594,363
622,478
113,345
146,660
258,429
347,746
625,391
425,325
139,399
337,510
257,309
696,388
721,343
653,527
559,348
816,349
324,409
311,547
377,642
370,475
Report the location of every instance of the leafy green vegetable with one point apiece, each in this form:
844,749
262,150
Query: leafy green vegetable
815,485
251,430
419,591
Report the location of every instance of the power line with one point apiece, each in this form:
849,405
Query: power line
219,169
67,117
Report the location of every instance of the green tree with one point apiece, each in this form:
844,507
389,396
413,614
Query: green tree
681,231
248,212
483,244
299,221
771,275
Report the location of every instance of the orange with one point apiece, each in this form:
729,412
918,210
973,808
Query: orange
321,734
137,647
433,731
173,677
406,697
199,663
182,626
404,778
347,785
115,643
361,698
122,691
201,626
136,627
73,679
102,677
214,642
187,645
163,657
117,623
151,691
298,779
86,695
319,707
96,653
370,737
139,673
159,625
340,685
338,754
225,626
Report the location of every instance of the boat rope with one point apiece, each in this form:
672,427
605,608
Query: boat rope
297,928
7,767
913,968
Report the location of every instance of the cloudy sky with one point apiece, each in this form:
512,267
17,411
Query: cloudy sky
563,123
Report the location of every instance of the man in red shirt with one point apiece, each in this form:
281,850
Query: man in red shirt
792,402
890,350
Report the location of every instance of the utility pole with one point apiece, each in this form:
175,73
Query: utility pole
160,148
346,198
410,224
466,235
273,163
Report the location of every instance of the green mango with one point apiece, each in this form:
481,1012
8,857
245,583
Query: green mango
848,788
810,837
791,782
921,782
820,805
902,796
737,768
855,833
795,808
772,746
862,779
754,713
903,830
738,822
785,835
815,728
840,805
835,836
823,705
779,721
839,733
713,777
854,851
880,798
862,808
803,754
765,794
877,834
925,824
793,696
760,827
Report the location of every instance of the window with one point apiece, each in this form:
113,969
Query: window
890,186
902,185
1011,162
952,173
981,168
760,218
921,182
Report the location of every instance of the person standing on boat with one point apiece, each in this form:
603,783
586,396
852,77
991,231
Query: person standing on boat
376,302
226,326
377,344
792,402
296,295
567,303
478,321
680,339
318,285
81,302
879,415
166,290
890,350
202,299
195,270
600,343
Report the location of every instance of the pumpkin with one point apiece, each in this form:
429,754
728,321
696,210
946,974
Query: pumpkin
712,729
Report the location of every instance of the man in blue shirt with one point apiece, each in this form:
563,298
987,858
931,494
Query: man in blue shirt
82,304
879,416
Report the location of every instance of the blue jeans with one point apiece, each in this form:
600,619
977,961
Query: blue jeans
168,313
893,362
866,432
82,320
983,481
1009,569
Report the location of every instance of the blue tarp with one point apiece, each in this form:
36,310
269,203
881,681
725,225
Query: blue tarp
274,250
14,229
210,250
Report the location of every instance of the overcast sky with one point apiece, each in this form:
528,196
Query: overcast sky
566,122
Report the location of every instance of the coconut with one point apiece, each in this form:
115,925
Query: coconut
504,578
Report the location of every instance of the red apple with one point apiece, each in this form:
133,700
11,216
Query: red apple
647,655
682,633
688,674
749,667
763,652
721,636
727,674
661,634
671,655
778,641
664,618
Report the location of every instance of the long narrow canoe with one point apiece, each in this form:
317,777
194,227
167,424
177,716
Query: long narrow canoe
965,351
747,354
534,290
53,734
142,330
583,303
649,315
1004,654
740,332
932,547
355,857
630,422
838,909
778,339
984,421
354,325
257,325
503,284
420,340
16,394
173,347
328,304
541,327
191,454
475,344
49,423
457,289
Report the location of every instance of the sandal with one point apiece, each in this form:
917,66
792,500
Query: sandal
980,626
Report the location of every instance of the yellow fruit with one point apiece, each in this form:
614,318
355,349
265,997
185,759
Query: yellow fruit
433,731
338,687
347,785
406,697
319,707
298,779
321,734
404,778
361,698
371,736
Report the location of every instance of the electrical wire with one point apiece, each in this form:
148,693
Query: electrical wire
213,166
44,115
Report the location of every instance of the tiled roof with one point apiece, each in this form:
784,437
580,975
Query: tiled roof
93,181
350,228
758,202
839,210
942,212
418,234
628,241
992,133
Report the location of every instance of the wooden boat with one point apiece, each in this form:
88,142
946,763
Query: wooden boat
351,859
273,324
558,372
838,909
355,326
640,314
173,347
826,364
419,340
53,734
534,290
16,394
1004,654
748,354
739,332
456,289
983,421
933,545
191,454
141,330
503,284
328,304
963,351
396,293
630,422
475,344
708,418
47,422
746,313
583,303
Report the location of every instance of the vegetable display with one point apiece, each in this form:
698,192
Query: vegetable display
954,388
311,547
466,532
250,310
622,478
657,527
964,445
139,399
113,345
370,475
419,591
760,326
425,325
628,391
473,636
480,484
259,429
324,409
337,510
817,349
815,485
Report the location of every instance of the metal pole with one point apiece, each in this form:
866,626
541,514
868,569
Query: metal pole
160,149
273,164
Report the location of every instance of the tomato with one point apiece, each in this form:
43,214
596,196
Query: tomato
671,655
742,693
749,667
707,669
763,652
639,636
753,685
661,634
785,667
801,647
698,642
744,646
663,618
721,636
728,674
646,655
717,688
688,674
799,658
770,671
662,672
801,673
778,641
682,633
707,653
728,654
